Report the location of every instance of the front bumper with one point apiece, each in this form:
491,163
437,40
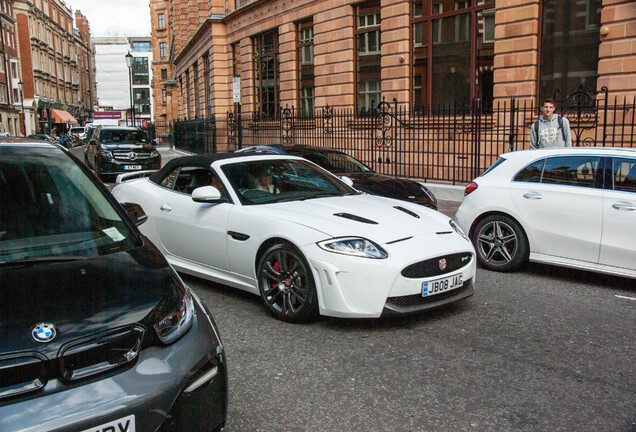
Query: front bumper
154,391
114,168
352,287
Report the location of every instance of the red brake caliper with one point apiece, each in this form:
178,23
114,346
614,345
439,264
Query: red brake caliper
276,267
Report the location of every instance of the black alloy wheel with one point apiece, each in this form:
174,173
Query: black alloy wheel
501,243
286,284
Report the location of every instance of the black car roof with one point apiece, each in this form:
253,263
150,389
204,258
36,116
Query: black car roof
202,160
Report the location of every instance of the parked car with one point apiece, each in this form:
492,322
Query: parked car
98,331
45,137
311,245
573,207
363,177
120,149
78,131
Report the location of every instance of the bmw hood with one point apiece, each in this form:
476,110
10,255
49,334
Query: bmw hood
79,297
375,218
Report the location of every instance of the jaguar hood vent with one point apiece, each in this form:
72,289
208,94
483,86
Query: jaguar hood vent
407,211
355,218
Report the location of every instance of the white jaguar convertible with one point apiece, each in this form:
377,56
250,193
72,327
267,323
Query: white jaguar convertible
301,238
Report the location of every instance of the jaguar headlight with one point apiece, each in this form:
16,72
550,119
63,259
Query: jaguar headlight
174,314
458,230
354,246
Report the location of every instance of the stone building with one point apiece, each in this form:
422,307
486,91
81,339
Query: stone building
55,64
345,54
163,72
9,81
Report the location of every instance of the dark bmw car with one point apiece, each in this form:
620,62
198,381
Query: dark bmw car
364,178
98,332
114,150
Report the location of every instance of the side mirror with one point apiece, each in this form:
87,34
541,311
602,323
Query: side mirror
346,180
135,212
207,194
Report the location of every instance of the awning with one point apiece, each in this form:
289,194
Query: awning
61,116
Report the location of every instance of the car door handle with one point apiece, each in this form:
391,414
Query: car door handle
624,206
533,195
166,207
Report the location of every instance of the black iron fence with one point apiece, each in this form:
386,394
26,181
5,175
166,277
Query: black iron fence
195,136
447,143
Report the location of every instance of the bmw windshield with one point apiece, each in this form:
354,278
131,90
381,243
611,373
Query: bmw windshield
279,180
51,211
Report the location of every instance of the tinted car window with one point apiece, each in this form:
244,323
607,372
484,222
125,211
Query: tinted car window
571,170
335,162
54,209
114,136
624,174
531,173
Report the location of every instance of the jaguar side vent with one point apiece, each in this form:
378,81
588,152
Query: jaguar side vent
407,211
355,218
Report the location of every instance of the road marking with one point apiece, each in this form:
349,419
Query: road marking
627,298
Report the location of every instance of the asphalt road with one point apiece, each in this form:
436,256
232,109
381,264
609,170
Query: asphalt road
542,350
546,349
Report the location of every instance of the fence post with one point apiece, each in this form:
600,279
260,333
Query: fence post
513,124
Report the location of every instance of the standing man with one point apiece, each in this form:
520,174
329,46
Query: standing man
551,130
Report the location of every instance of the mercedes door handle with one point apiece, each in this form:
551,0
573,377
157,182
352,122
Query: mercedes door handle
166,207
624,206
533,195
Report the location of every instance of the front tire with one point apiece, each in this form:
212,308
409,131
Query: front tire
501,243
286,284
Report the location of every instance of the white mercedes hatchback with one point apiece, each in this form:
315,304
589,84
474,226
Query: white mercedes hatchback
572,207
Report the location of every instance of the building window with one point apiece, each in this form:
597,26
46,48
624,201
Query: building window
197,97
207,87
162,49
162,21
164,74
306,76
267,74
569,46
140,71
163,95
139,46
368,56
453,53
142,100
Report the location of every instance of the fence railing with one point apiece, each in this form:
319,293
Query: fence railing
196,136
446,143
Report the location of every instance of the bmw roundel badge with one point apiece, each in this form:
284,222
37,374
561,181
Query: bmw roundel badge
44,332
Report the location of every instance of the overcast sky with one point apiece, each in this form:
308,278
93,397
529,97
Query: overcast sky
114,17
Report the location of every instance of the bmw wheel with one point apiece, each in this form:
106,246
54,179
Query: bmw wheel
501,243
286,284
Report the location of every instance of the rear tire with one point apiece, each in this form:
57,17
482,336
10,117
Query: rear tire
286,284
501,243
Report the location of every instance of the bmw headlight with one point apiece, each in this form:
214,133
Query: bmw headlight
458,230
354,246
174,314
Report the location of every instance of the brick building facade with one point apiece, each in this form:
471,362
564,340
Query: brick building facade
344,54
56,65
